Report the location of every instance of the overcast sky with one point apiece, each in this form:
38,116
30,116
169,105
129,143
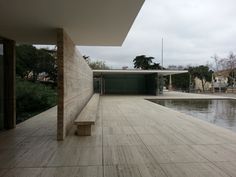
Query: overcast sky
193,31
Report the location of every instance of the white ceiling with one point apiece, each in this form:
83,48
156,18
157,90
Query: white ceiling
87,22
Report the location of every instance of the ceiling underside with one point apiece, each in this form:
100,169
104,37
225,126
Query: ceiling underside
87,22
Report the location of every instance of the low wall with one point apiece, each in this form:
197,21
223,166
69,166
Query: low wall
75,83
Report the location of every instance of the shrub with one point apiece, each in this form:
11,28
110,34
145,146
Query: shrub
32,98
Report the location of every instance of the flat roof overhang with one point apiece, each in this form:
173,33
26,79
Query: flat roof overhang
87,22
134,71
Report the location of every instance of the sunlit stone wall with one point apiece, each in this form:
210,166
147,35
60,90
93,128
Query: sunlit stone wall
75,83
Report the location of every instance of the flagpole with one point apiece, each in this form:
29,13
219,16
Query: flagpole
162,53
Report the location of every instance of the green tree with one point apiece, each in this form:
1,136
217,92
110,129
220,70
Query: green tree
34,97
86,58
31,61
25,60
144,62
95,64
203,73
47,63
179,81
98,65
155,66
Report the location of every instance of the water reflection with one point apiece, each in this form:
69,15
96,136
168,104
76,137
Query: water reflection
219,112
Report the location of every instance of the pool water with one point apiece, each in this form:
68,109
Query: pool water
219,112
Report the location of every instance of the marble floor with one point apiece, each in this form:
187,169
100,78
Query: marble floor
132,137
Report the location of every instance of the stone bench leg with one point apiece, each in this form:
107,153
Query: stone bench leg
83,130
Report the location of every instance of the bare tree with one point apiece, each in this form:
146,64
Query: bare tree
231,65
216,65
228,65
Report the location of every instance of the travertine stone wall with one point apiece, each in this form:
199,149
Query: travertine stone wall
75,83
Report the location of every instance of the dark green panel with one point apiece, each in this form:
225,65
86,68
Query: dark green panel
96,85
151,84
1,87
129,84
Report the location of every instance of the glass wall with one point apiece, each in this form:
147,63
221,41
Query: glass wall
1,87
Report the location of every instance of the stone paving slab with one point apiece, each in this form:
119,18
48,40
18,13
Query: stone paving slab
132,137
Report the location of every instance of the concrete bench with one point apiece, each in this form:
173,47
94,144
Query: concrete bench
87,116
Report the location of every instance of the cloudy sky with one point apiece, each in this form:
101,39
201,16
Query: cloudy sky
193,31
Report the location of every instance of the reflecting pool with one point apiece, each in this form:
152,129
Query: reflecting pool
219,112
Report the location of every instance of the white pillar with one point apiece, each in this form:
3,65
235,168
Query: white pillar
101,82
170,83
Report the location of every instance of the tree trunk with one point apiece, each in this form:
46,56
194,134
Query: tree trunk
203,86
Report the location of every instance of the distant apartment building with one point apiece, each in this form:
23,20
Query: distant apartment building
221,79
